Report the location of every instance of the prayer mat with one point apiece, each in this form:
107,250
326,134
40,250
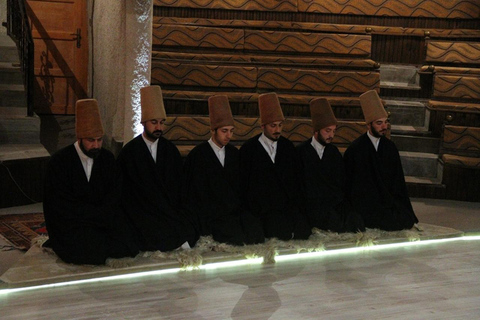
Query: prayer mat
21,229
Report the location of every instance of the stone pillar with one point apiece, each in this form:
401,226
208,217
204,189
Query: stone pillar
138,65
121,34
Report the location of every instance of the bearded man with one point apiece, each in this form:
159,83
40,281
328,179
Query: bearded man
151,169
270,176
85,224
323,175
375,179
212,190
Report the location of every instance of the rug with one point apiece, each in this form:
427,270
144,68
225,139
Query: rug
40,266
21,229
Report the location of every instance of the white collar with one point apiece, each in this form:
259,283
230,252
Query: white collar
152,147
375,140
320,148
219,152
268,142
87,162
83,156
270,146
215,147
148,142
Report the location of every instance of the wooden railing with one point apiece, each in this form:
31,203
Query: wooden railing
18,27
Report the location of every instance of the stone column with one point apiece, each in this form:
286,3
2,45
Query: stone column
138,64
121,33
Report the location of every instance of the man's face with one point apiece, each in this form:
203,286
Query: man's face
221,136
378,128
153,128
325,135
273,130
91,146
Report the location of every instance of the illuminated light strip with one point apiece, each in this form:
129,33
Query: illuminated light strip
92,280
372,248
229,264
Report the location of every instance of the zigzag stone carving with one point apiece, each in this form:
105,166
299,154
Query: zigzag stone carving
170,73
319,43
461,87
461,138
453,52
258,5
317,80
402,8
191,129
198,37
452,9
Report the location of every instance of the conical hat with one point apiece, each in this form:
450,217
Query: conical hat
88,123
372,106
152,103
322,114
270,109
220,112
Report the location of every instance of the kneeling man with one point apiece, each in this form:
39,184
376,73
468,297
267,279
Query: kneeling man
271,177
84,222
212,188
375,181
323,174
152,182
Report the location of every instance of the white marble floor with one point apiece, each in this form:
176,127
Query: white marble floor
441,281
438,281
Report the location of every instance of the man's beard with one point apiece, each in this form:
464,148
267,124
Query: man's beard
275,136
92,153
377,134
154,135
322,141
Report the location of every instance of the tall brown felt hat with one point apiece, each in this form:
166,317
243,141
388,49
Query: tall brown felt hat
151,99
372,106
270,109
322,114
88,123
220,112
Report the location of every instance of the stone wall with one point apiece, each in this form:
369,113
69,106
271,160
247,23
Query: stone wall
3,15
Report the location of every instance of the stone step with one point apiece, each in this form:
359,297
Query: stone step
410,131
410,113
425,188
22,174
12,95
423,180
399,77
420,164
17,128
416,143
8,49
11,152
10,73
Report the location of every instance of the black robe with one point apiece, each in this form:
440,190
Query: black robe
324,188
376,185
272,191
151,195
212,192
85,224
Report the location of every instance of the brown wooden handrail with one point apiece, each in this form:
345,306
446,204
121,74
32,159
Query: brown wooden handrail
18,28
